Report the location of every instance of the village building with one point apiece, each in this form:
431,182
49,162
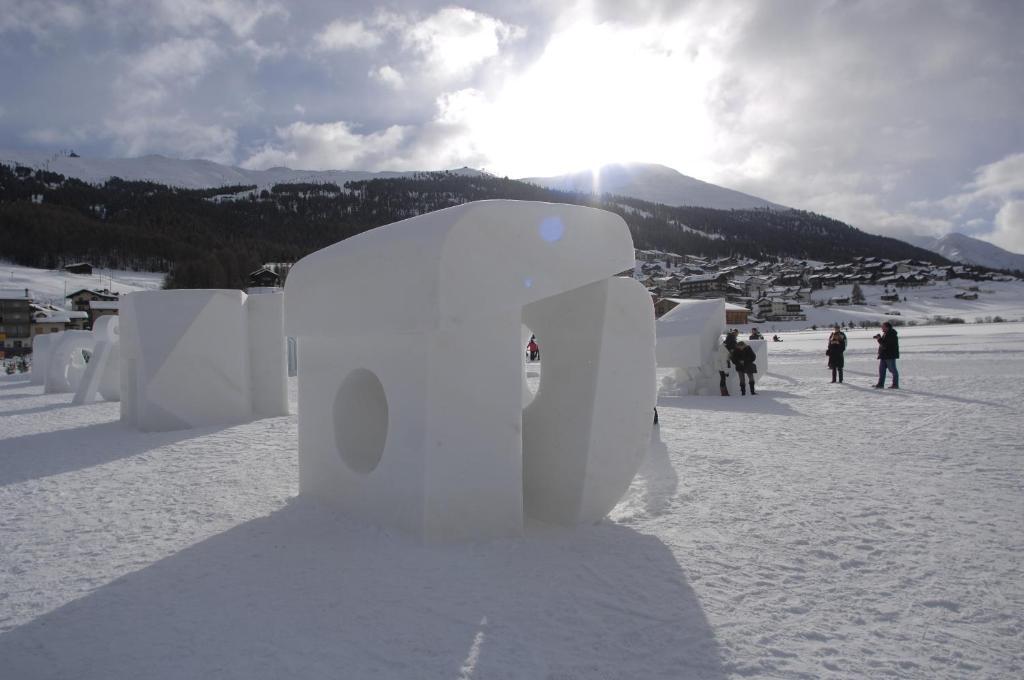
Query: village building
15,322
78,268
265,278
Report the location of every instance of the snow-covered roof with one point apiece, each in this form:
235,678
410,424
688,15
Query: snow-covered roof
53,317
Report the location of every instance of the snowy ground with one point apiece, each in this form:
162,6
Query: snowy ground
812,531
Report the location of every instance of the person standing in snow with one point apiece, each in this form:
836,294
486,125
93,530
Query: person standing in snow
743,359
533,349
834,352
722,364
888,353
756,335
730,339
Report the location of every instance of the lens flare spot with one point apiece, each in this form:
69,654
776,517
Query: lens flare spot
552,229
528,282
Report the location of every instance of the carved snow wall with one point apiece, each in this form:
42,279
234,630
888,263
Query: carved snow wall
411,369
195,358
688,338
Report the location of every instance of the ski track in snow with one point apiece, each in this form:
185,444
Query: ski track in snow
812,531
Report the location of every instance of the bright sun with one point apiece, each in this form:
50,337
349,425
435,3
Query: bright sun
598,95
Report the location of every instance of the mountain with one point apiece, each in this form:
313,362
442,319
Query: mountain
655,184
968,250
211,238
187,173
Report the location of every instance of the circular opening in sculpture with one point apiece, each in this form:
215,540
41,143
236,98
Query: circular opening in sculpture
361,420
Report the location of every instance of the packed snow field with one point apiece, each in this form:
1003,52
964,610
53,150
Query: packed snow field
815,530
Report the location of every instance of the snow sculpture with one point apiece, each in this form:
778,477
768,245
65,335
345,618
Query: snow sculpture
688,336
760,348
42,346
66,362
103,373
411,389
268,355
188,358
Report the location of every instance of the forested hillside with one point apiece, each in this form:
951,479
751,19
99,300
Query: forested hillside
214,237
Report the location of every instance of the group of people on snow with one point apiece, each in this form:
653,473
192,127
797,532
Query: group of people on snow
734,353
738,355
888,352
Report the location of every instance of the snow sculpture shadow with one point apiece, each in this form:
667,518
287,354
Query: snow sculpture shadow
195,358
411,372
304,592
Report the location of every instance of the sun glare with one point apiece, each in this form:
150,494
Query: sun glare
600,95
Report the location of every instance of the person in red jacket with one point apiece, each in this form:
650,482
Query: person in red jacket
533,349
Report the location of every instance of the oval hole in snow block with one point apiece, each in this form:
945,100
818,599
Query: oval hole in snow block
361,420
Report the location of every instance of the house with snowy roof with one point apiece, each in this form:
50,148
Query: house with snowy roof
15,320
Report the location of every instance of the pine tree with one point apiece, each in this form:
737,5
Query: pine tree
857,295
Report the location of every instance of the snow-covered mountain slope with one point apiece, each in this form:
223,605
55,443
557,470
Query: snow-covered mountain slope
50,285
655,183
189,173
962,248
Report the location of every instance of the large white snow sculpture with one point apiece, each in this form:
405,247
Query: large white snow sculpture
688,336
42,346
66,363
187,358
411,369
103,373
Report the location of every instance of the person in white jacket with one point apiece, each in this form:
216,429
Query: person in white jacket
722,365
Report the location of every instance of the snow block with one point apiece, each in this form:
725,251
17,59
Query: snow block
66,363
760,348
103,373
411,389
42,346
186,359
688,337
268,354
585,433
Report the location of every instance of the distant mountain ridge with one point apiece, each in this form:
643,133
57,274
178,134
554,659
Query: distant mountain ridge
191,173
654,184
645,181
968,250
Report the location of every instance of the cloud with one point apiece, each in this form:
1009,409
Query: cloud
1009,223
1001,179
455,41
389,76
329,146
238,16
341,35
172,66
43,19
178,136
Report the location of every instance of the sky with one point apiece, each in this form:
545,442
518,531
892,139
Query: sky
901,118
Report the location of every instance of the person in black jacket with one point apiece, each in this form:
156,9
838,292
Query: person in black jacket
888,353
834,351
743,359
